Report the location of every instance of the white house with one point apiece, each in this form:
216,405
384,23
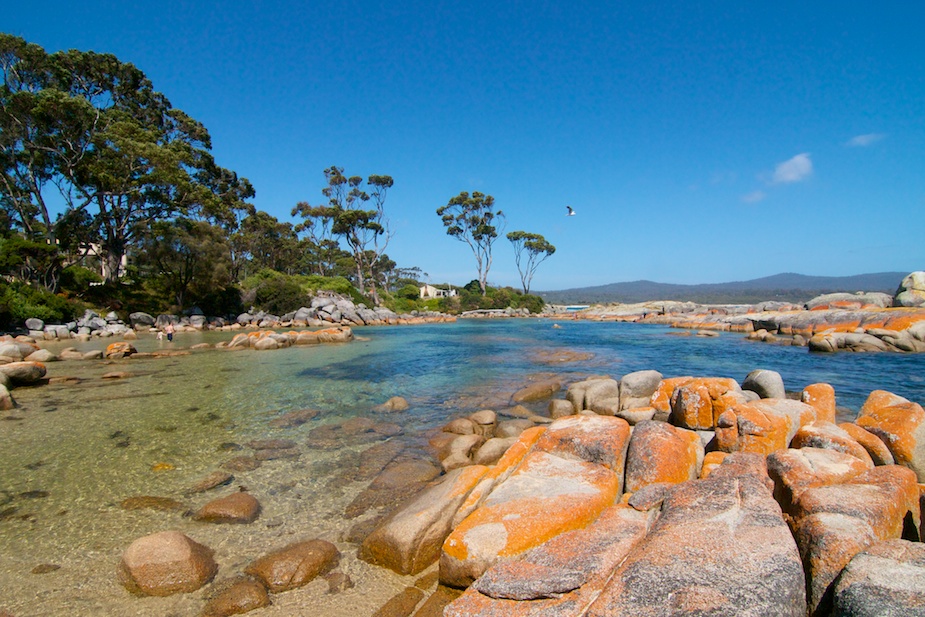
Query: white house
429,291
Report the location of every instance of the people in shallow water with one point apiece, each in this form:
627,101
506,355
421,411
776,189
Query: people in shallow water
168,329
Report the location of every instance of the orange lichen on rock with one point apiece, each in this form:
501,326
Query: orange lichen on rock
830,437
745,428
659,452
904,319
836,522
499,472
878,451
900,423
692,407
661,400
711,461
716,387
821,396
796,470
561,577
595,439
547,495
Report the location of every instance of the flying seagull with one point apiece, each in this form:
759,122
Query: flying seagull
570,211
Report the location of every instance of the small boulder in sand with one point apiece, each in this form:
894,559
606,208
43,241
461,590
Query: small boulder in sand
165,563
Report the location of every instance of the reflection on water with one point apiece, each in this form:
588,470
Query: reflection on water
73,452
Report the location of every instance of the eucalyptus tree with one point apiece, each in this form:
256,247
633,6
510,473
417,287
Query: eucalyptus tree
95,129
188,258
473,219
530,250
365,231
263,242
321,251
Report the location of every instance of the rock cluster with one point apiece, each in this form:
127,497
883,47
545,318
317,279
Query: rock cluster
327,309
171,562
332,309
90,325
675,496
854,324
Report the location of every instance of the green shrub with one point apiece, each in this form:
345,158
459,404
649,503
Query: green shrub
225,301
337,284
19,302
534,304
280,295
77,279
409,292
404,305
291,292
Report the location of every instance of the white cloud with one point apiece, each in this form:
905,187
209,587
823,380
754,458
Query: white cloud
861,141
793,170
754,197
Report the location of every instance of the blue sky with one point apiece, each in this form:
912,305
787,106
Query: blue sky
698,143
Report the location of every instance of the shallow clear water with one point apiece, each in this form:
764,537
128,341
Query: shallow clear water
72,452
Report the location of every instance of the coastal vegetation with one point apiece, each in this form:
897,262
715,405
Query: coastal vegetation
111,199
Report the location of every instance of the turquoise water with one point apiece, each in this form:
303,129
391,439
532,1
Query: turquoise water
73,451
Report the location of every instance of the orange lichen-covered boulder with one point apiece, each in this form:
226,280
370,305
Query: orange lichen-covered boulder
23,373
498,473
596,439
696,402
745,428
691,407
831,437
900,423
341,334
711,461
545,496
878,451
661,399
120,349
793,471
821,396
562,576
409,540
719,547
834,523
761,426
660,452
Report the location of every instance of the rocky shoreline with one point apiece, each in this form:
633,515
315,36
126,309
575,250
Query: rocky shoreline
640,495
839,325
680,496
637,495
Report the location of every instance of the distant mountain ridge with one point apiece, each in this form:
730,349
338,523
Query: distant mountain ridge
784,287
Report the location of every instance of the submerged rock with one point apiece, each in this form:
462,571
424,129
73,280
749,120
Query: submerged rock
238,507
240,595
294,565
166,563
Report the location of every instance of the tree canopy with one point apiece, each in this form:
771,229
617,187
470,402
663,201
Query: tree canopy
365,231
90,132
473,219
530,250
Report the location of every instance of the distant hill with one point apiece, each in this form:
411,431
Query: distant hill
786,287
